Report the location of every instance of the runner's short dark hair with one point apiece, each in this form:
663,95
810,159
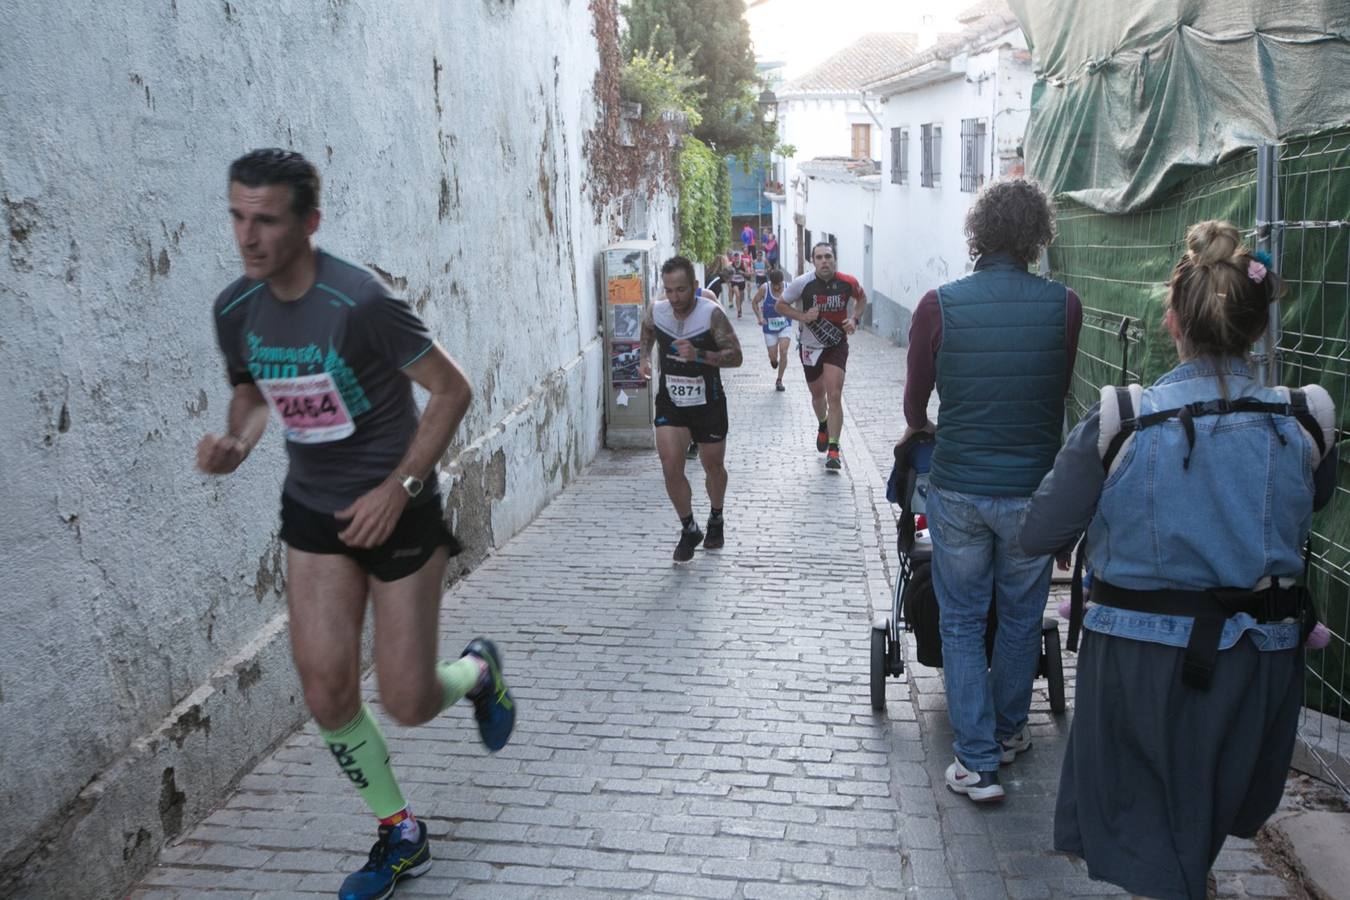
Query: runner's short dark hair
821,244
776,276
680,264
272,165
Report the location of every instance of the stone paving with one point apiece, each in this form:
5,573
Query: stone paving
695,731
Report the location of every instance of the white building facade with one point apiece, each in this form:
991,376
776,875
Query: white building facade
952,122
824,116
935,126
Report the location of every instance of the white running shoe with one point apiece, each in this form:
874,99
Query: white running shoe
982,787
1018,743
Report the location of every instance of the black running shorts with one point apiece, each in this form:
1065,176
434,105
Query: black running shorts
832,356
417,534
707,424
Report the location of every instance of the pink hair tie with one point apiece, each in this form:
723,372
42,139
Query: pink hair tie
1256,271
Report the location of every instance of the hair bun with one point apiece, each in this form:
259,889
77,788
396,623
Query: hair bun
1212,241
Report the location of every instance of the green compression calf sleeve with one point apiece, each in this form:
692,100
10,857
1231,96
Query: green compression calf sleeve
363,755
457,678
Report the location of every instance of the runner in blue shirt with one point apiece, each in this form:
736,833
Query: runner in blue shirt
777,328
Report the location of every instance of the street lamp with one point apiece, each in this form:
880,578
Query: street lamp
768,105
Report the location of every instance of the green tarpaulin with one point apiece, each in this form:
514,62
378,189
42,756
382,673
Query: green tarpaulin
1131,97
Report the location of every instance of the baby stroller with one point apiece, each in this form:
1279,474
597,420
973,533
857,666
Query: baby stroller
915,603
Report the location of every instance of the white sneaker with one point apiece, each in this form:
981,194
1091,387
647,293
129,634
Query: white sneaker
982,787
1018,743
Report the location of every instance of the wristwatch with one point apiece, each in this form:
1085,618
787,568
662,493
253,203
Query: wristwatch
412,484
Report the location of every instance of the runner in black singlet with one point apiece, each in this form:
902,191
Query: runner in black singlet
695,341
824,323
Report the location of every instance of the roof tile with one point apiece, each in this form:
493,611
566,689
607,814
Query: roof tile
868,58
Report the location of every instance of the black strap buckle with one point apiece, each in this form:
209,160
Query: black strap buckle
1202,652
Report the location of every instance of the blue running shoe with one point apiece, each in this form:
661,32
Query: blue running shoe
492,704
390,859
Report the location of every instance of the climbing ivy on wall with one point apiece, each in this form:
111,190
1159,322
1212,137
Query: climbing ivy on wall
702,233
725,237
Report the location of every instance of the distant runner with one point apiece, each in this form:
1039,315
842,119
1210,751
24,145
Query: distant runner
777,328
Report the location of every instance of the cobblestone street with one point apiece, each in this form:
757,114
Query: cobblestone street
695,731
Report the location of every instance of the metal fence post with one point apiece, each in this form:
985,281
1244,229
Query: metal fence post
1269,237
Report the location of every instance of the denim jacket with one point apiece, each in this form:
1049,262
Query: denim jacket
1239,513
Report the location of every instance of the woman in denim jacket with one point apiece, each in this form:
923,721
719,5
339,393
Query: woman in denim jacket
1158,771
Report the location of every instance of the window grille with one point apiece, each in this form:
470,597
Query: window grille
972,154
931,139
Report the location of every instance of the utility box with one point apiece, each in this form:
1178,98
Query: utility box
629,273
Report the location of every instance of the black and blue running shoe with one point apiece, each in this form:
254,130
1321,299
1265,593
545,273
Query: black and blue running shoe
391,859
492,704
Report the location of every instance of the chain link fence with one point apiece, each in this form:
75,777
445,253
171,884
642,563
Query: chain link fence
1292,199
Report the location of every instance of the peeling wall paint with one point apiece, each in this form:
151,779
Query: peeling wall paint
145,601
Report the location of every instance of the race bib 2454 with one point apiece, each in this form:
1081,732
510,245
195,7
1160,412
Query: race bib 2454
310,408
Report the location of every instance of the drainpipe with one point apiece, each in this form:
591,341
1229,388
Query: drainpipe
862,98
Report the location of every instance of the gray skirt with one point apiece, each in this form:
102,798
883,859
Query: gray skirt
1157,774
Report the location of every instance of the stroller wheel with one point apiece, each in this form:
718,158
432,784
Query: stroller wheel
878,671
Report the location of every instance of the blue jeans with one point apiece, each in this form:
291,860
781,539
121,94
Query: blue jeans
975,555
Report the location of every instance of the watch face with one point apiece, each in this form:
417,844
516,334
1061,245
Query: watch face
412,485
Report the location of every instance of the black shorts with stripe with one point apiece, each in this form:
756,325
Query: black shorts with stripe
707,423
416,536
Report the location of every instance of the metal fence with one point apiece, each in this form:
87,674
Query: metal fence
1292,199
1310,237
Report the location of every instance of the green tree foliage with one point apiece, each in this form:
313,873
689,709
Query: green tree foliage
713,36
701,233
724,236
661,85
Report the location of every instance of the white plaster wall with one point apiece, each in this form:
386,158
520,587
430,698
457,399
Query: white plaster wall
144,659
815,127
843,209
920,239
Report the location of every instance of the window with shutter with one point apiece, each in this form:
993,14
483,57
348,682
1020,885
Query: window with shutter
862,142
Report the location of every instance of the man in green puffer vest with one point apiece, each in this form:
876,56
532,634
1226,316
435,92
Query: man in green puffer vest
998,345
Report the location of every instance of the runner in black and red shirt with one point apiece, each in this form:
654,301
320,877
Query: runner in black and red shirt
824,323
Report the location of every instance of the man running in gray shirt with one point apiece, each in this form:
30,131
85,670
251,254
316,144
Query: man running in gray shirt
326,347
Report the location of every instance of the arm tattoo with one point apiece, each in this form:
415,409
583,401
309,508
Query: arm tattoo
728,352
648,335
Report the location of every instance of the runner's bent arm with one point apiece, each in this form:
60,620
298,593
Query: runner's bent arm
792,292
246,421
646,338
728,352
758,301
375,513
859,304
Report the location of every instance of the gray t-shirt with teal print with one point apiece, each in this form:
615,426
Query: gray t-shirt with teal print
330,365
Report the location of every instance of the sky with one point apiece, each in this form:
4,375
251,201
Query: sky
802,33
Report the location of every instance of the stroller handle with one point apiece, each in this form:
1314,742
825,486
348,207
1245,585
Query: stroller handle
916,451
